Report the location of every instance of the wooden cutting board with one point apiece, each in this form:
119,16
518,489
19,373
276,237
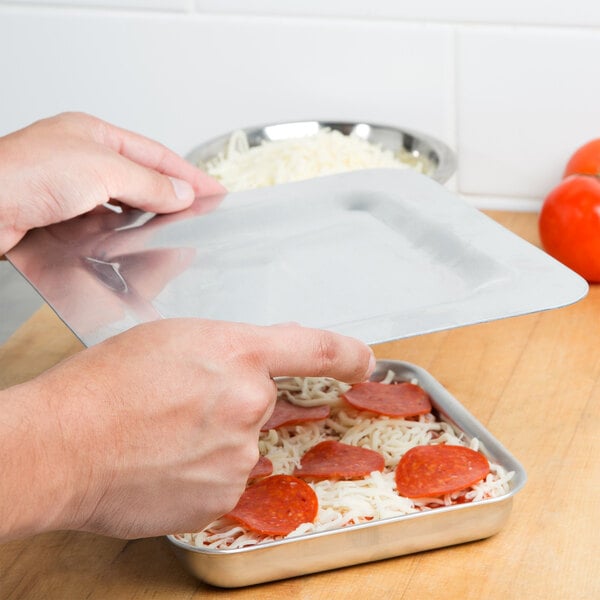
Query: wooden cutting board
533,381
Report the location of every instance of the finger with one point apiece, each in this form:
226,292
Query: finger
154,155
291,350
144,188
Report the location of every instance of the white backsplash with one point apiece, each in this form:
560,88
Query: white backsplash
512,87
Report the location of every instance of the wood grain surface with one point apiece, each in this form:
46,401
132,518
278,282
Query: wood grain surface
533,381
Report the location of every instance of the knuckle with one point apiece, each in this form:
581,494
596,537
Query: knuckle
240,469
244,347
249,458
327,351
75,121
74,115
256,401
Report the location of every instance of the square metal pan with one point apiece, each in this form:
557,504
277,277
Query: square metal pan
376,540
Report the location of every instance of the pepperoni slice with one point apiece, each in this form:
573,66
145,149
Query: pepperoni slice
399,400
263,468
276,505
438,470
335,460
286,413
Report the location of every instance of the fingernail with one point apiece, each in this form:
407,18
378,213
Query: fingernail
183,190
372,364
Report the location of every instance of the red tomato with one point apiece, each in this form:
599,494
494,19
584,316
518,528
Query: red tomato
585,161
569,224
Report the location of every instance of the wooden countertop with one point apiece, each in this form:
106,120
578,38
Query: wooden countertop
533,381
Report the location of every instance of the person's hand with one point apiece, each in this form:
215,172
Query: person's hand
154,431
64,166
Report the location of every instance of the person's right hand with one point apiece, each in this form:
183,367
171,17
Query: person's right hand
155,431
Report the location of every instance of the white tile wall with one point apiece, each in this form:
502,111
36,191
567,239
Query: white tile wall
512,86
585,13
183,78
152,5
526,98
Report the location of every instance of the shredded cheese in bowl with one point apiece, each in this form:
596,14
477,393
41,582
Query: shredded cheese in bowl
242,167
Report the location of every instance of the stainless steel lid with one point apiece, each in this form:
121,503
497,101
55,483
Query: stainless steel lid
377,254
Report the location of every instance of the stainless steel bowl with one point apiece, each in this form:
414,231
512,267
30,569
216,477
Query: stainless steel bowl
428,154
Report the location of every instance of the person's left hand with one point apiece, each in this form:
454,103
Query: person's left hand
64,166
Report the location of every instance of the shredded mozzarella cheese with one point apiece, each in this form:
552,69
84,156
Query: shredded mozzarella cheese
241,167
343,503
